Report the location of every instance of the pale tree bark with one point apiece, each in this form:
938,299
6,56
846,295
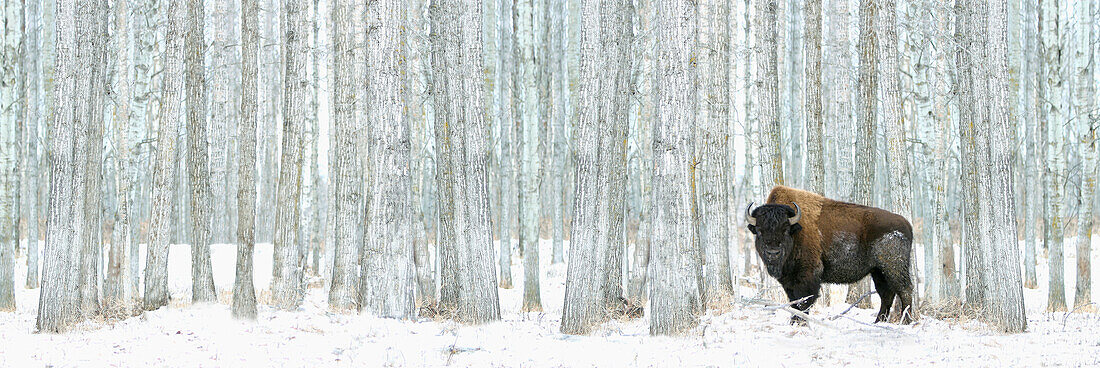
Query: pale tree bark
416,90
593,286
164,173
57,299
244,292
813,110
676,295
712,170
387,282
1085,100
897,152
557,118
527,104
1003,282
469,292
11,88
644,64
32,168
839,92
943,284
1033,180
766,93
144,116
507,122
64,272
1053,117
344,290
866,120
220,84
286,283
91,107
968,115
202,277
115,286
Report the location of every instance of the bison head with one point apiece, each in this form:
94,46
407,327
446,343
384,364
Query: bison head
774,226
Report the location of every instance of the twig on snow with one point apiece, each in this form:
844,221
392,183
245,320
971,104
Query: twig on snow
853,305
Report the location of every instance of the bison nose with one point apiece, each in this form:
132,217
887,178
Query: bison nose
771,253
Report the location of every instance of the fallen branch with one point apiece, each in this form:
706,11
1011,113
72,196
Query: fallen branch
780,306
1066,316
772,305
853,305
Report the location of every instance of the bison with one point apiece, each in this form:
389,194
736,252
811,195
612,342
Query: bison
805,240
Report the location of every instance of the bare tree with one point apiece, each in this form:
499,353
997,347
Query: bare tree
202,277
528,108
386,287
343,293
866,118
813,110
469,292
32,169
65,298
675,289
12,119
244,293
156,265
506,120
1085,101
286,283
115,286
593,285
1052,117
1004,286
712,170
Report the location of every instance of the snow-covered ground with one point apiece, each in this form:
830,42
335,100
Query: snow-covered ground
204,335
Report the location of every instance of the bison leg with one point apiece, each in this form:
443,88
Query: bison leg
886,294
805,295
904,288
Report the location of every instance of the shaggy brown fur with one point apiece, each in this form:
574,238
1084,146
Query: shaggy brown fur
836,243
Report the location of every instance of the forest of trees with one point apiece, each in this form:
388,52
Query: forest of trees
407,152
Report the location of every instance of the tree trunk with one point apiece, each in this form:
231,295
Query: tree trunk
644,65
866,119
557,64
507,121
1033,180
1086,111
469,292
202,277
386,287
1052,117
145,89
593,285
32,169
813,110
65,298
527,102
712,138
344,291
897,152
156,264
416,90
286,282
676,295
10,159
115,287
244,293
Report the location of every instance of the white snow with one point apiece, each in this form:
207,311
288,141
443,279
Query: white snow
184,335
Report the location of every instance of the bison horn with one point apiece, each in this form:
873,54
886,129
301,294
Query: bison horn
748,215
797,214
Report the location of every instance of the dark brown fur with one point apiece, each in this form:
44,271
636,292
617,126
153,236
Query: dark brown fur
841,243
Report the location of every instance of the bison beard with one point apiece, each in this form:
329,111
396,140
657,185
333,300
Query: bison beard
805,240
